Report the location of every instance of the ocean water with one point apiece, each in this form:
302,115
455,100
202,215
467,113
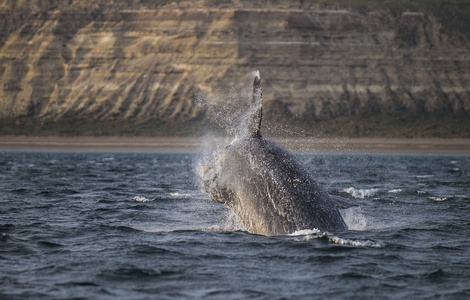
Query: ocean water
138,226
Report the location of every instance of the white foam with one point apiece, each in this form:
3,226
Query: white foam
438,199
341,241
140,199
395,191
316,234
305,232
179,195
360,193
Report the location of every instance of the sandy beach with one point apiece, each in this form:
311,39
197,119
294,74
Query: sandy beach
194,144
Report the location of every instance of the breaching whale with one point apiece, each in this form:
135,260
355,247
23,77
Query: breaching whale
267,187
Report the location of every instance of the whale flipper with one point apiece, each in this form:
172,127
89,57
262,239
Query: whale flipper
257,104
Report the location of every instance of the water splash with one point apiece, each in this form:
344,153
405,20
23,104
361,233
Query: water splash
312,234
354,218
237,110
360,193
140,199
229,107
180,195
229,223
438,199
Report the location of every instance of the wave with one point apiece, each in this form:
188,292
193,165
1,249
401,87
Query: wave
48,244
119,228
140,199
447,197
136,272
149,249
360,193
179,194
438,199
312,234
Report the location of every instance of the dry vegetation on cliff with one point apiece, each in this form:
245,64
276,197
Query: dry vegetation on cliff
396,68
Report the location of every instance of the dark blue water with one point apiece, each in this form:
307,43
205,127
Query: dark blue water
137,226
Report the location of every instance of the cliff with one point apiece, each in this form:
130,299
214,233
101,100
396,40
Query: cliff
145,62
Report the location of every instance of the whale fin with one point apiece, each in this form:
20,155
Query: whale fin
341,202
257,105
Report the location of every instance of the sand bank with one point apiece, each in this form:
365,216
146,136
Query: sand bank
194,144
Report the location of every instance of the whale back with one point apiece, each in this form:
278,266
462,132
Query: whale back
272,192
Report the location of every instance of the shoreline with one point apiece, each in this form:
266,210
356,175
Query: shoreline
437,146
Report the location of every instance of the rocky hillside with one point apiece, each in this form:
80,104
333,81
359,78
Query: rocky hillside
138,62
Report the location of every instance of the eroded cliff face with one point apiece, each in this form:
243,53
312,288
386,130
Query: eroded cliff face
123,60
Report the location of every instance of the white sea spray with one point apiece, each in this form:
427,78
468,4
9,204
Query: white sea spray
354,218
228,107
230,222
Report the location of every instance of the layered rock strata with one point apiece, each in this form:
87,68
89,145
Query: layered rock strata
143,62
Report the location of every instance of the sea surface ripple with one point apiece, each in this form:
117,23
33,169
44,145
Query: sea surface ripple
138,226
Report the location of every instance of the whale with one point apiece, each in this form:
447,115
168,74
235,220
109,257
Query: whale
267,188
